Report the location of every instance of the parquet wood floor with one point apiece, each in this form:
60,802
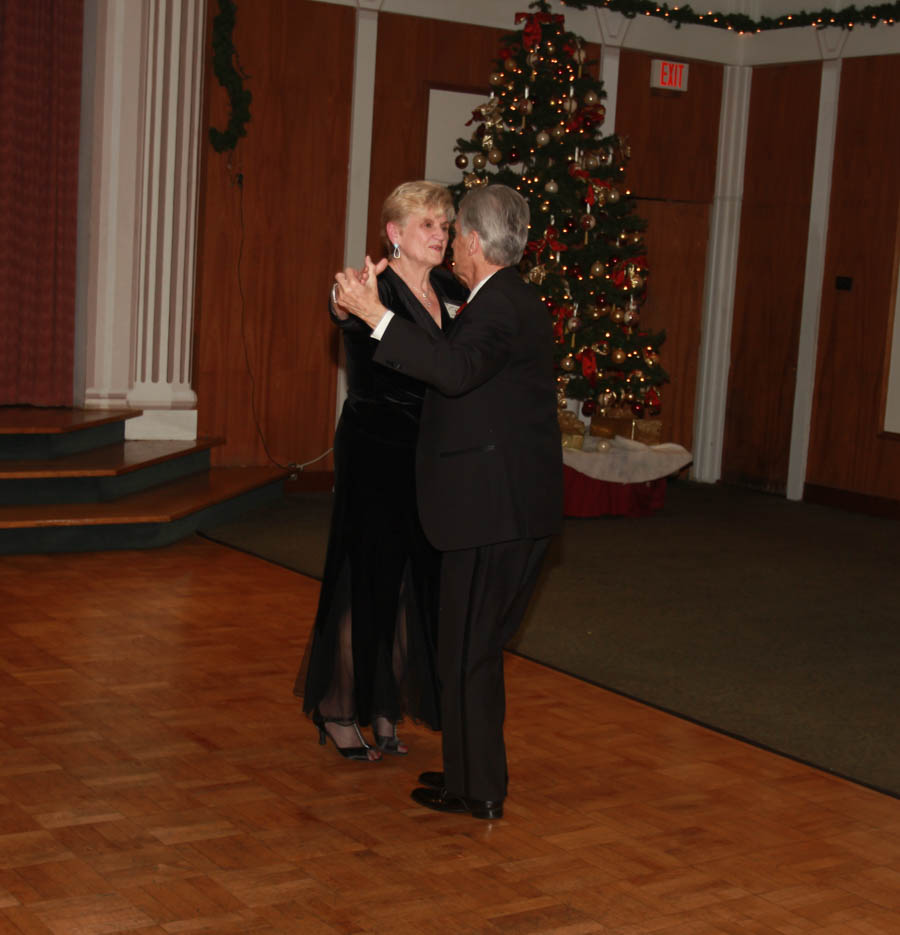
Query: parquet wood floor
157,776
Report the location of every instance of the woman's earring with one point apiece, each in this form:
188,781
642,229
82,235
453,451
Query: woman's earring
396,253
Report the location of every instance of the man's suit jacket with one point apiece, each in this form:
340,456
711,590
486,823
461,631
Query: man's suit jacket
489,458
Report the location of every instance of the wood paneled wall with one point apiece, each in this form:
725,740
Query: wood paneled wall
283,231
414,56
778,173
847,448
674,141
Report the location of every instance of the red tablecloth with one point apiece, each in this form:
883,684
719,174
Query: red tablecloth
586,496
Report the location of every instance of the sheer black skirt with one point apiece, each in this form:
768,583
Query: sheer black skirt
372,651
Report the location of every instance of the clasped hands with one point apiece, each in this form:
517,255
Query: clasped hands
355,292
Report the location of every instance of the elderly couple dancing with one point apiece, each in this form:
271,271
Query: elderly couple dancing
448,485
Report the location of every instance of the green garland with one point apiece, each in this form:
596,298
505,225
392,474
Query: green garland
846,18
224,56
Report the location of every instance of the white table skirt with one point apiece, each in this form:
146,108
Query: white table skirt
623,461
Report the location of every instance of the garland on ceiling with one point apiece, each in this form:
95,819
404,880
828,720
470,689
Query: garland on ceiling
232,80
846,18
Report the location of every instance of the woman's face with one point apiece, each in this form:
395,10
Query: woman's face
423,237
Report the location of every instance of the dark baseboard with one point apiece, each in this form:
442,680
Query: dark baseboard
309,481
854,502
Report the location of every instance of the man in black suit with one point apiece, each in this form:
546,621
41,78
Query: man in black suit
488,474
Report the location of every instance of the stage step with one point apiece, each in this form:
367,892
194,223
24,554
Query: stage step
146,519
70,482
30,432
103,473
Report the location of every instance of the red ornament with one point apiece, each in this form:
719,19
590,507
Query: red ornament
637,408
588,407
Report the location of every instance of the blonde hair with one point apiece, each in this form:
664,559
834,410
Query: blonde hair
410,198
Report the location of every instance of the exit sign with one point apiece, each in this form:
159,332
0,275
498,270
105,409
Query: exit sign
672,76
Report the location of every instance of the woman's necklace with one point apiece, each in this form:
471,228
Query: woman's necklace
417,290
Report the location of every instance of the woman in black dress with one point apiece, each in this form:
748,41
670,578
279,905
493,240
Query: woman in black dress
371,657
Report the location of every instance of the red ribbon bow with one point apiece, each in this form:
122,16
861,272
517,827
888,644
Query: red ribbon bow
588,363
531,33
536,246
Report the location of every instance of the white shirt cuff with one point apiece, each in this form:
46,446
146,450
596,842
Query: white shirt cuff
381,327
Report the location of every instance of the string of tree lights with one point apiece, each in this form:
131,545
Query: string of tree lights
539,132
846,18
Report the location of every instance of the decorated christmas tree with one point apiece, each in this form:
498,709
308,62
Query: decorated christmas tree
540,132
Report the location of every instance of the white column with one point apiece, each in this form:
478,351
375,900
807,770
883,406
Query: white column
721,271
110,234
360,166
613,29
169,113
831,42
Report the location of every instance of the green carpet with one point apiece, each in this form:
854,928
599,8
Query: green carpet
775,622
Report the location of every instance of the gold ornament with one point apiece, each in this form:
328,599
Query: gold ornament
551,188
618,356
590,98
510,64
494,156
491,110
462,161
533,58
592,161
471,180
598,268
479,160
537,274
588,222
558,132
497,77
612,196
617,314
568,362
543,138
570,105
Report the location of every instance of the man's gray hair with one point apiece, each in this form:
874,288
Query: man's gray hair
499,215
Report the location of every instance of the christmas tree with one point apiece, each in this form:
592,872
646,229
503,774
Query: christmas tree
540,133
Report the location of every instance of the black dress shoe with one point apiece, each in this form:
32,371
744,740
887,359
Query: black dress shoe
440,800
432,778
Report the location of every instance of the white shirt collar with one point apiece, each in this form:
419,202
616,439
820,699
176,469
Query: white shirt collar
479,285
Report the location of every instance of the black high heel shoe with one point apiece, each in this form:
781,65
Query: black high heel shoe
348,753
389,743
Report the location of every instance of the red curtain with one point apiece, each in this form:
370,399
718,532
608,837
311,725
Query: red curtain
40,103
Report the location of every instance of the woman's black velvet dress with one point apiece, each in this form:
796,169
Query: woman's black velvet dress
372,651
